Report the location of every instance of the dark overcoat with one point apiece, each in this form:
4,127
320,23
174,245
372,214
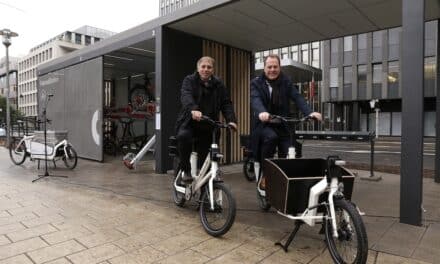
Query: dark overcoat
260,102
190,97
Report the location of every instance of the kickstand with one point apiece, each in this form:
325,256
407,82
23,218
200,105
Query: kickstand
298,224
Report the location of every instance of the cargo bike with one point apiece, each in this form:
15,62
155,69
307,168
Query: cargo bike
315,191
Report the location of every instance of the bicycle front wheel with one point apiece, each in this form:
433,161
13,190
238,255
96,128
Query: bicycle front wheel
219,220
351,246
70,158
17,151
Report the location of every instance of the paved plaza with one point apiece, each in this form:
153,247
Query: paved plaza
103,213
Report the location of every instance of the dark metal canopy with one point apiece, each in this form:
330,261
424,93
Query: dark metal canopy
257,25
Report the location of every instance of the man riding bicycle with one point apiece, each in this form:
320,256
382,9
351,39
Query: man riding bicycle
270,94
202,93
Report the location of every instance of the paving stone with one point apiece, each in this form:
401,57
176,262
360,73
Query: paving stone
4,229
66,234
384,258
43,220
96,254
4,214
400,239
31,232
101,238
144,255
175,244
16,218
20,259
187,256
55,251
59,261
4,240
238,255
21,247
429,249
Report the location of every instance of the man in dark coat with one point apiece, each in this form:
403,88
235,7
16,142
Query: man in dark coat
202,94
270,95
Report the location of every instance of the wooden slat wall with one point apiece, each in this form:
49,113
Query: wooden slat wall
238,82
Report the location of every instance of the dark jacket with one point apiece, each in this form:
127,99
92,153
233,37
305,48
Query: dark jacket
260,102
191,94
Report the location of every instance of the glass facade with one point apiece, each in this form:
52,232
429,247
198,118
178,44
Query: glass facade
362,81
377,81
393,79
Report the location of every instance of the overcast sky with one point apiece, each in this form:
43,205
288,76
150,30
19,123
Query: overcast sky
39,20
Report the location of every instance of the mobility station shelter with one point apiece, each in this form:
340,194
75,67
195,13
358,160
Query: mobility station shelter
230,31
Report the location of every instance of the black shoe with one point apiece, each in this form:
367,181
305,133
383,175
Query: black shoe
186,177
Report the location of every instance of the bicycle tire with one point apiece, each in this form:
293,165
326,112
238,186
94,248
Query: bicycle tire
110,148
205,210
346,234
248,169
178,198
72,158
17,153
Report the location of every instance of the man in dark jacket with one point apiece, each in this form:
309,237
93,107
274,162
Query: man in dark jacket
202,94
270,95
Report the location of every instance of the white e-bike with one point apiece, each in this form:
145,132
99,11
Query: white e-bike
217,207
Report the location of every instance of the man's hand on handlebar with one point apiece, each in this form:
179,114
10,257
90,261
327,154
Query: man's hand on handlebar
196,115
233,126
316,116
264,116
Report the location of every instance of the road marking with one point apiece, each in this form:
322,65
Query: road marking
377,152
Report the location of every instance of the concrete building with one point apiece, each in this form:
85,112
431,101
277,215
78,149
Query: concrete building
365,67
169,6
55,47
13,69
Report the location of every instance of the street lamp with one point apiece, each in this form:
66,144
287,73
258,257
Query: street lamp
7,35
374,104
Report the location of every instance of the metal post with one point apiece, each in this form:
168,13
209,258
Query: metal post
377,121
7,34
437,118
413,48
8,114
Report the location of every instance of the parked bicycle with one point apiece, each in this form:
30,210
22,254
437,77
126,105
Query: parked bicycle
58,149
217,207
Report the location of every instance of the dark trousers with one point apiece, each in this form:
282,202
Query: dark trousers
188,136
271,140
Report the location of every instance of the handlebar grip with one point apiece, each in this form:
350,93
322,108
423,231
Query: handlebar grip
340,162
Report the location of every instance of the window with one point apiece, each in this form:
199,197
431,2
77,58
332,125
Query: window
305,56
334,50
377,45
393,43
284,53
315,57
258,57
77,38
430,38
275,51
88,40
294,53
362,81
348,47
393,79
430,73
348,80
362,48
333,84
377,81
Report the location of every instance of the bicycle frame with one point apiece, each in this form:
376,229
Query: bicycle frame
202,177
28,140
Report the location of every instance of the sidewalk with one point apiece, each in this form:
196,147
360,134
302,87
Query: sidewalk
104,213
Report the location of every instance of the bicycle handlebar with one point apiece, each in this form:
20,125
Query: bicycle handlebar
290,120
216,123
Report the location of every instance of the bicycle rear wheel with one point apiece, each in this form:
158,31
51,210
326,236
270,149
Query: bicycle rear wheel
17,151
351,246
248,169
218,221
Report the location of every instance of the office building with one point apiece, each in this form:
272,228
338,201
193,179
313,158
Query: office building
169,6
55,47
13,62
